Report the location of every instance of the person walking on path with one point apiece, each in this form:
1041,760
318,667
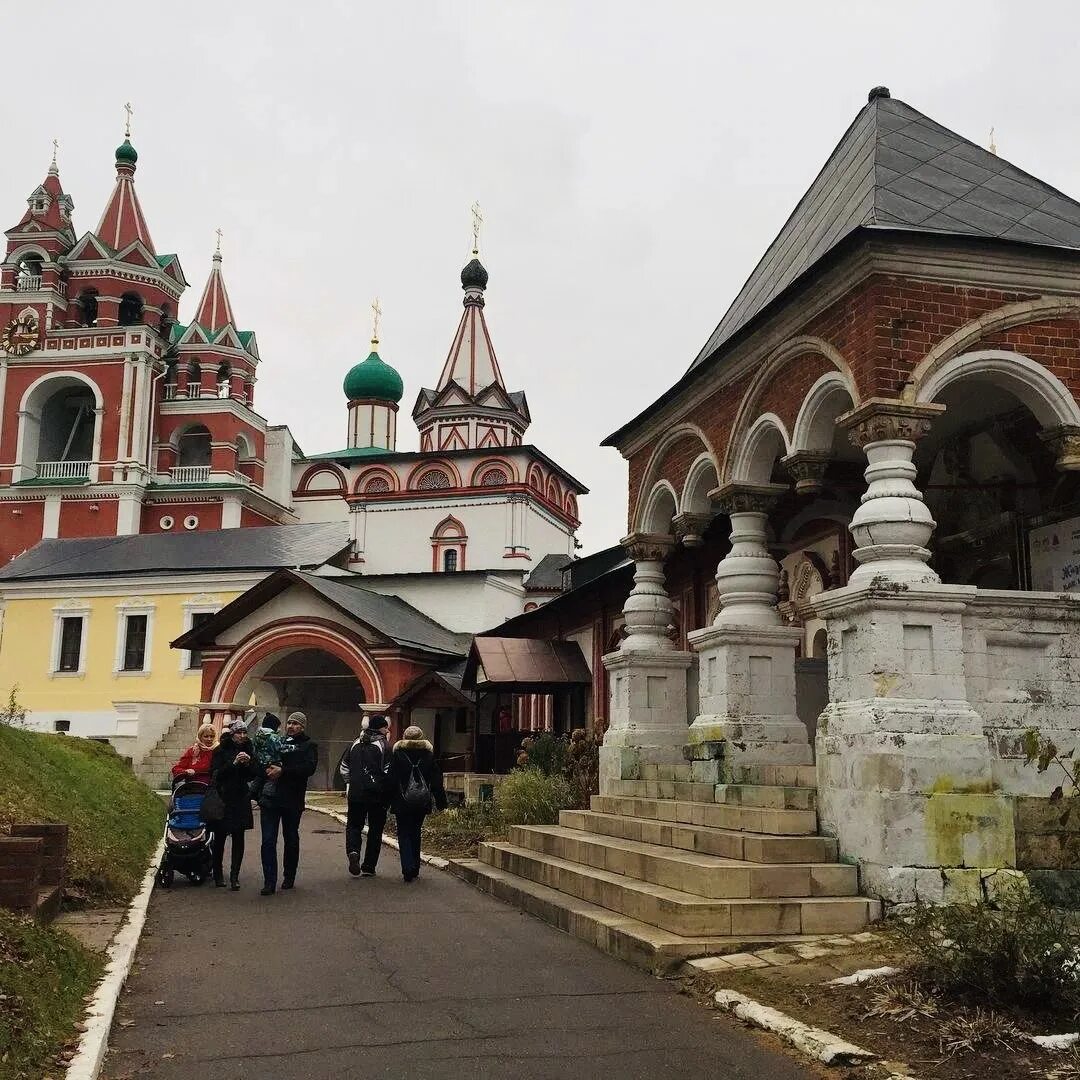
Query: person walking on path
418,788
233,769
282,805
363,767
195,762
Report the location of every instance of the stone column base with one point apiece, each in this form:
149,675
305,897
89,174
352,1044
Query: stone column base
647,717
747,699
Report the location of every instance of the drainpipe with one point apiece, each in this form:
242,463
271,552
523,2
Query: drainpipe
150,424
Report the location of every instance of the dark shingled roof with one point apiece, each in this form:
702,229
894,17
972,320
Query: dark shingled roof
548,572
390,616
896,169
266,548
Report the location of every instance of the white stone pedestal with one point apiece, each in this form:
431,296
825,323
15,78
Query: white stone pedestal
647,716
905,773
746,698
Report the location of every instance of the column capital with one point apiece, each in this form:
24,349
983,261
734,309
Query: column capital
648,547
1064,442
807,469
689,528
735,498
886,420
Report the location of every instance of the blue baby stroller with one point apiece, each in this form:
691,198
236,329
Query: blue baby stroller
187,837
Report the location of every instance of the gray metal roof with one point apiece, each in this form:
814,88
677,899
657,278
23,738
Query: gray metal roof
548,572
390,615
267,548
896,169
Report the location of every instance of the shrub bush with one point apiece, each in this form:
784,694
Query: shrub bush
1023,952
530,797
456,833
545,752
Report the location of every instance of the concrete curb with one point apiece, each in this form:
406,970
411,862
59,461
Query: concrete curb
820,1045
431,860
88,1059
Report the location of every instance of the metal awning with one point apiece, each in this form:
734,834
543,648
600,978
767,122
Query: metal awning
527,665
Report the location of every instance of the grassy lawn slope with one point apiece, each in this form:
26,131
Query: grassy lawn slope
115,821
44,975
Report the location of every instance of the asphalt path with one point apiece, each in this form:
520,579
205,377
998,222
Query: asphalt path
370,977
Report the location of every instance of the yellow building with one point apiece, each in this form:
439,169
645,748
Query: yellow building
86,624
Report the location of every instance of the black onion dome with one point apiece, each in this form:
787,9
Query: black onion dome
474,276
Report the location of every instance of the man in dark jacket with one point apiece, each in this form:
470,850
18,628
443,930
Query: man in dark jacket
283,804
364,769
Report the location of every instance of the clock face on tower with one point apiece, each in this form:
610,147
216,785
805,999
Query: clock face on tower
20,336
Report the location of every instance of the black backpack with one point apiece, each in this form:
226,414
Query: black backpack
364,782
416,795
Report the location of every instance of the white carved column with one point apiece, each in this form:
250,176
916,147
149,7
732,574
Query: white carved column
905,776
647,718
746,659
893,524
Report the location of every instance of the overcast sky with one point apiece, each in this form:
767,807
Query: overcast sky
633,160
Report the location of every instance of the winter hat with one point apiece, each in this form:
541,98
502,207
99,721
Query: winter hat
413,732
271,722
378,723
296,718
237,725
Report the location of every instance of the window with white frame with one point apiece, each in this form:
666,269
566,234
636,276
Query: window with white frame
134,632
196,614
68,653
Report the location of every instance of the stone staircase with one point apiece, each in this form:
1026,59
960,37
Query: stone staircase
154,769
664,868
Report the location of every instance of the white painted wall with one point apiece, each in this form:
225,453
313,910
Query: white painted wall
464,603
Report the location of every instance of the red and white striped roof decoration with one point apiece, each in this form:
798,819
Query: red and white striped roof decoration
214,309
471,362
123,222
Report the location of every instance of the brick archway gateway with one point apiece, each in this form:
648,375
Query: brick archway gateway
277,639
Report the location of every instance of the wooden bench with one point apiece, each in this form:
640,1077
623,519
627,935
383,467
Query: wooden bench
33,869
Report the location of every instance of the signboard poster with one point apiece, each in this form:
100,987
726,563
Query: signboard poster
1055,557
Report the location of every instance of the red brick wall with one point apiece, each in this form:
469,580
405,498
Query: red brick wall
20,527
78,518
785,392
883,328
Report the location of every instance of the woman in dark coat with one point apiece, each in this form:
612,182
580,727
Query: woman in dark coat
413,765
234,767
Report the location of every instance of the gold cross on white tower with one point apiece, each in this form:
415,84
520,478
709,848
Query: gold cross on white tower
477,221
127,124
55,148
376,315
217,233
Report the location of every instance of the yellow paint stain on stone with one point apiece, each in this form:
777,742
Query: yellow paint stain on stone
970,829
885,683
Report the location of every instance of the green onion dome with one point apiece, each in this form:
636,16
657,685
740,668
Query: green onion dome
374,379
125,153
474,275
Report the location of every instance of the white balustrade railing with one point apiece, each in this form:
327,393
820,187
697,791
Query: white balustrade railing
61,288
28,283
189,474
63,470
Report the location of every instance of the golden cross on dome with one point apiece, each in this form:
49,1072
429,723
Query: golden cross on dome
376,315
127,124
477,221
217,233
55,148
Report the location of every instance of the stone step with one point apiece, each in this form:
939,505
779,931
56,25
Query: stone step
682,772
681,912
648,947
727,843
767,796
711,814
708,876
663,789
782,775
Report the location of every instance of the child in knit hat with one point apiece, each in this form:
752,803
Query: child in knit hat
268,746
